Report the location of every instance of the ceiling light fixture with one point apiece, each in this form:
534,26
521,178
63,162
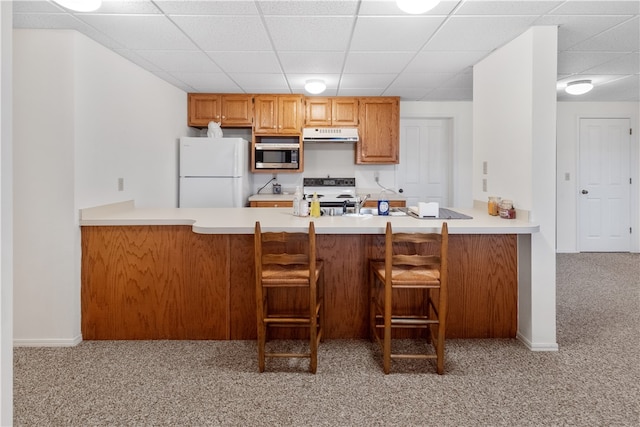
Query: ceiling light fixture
579,87
416,7
315,86
80,5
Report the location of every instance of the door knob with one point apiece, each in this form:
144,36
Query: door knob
401,191
585,192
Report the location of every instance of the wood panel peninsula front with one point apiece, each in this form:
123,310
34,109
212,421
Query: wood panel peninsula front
151,273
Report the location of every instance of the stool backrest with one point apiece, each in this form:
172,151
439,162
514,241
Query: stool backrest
428,250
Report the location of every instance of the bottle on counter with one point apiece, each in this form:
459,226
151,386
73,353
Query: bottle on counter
304,206
297,198
315,206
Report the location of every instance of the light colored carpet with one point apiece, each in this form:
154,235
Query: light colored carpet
592,381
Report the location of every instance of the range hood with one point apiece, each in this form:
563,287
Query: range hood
330,135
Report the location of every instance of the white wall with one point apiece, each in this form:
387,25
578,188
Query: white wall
83,117
569,114
514,127
6,217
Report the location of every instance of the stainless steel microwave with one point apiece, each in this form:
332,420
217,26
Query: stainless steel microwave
270,155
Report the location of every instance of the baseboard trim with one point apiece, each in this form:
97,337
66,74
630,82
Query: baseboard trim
537,346
48,342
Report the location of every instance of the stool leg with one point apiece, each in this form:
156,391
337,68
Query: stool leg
386,347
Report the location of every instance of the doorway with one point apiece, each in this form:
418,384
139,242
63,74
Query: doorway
604,185
424,173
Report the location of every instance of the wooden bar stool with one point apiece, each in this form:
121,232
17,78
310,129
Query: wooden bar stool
414,263
287,262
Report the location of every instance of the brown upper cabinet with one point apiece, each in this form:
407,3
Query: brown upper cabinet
379,131
278,114
331,111
232,110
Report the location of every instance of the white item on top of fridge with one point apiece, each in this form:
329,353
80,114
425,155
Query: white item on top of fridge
214,130
214,172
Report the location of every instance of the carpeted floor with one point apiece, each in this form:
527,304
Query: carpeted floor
594,380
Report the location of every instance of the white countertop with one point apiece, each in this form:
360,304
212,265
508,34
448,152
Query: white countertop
242,220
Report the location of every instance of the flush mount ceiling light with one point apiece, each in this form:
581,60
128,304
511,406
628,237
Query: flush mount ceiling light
416,7
315,86
80,5
579,87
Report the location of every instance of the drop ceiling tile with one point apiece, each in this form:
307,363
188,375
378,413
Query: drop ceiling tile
225,33
63,22
318,33
478,33
622,38
444,61
208,7
377,62
46,21
258,79
459,81
175,82
180,60
404,33
609,7
312,62
309,8
122,6
407,94
209,82
502,7
259,62
364,81
426,80
148,32
575,29
576,62
32,6
622,64
444,94
138,60
361,92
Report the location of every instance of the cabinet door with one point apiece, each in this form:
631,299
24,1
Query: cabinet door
290,114
271,204
203,108
237,110
344,112
266,114
317,112
379,131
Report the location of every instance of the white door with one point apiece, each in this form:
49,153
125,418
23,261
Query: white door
604,186
424,173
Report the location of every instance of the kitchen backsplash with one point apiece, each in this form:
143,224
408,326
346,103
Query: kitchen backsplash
333,160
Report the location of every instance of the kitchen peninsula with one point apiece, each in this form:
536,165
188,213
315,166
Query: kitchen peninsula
154,273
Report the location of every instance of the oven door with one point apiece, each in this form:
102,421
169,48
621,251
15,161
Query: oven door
277,156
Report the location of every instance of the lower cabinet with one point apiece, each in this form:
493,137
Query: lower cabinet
167,282
272,204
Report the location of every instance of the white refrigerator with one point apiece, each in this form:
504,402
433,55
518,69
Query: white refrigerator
214,172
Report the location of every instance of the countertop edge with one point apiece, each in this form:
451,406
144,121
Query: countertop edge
242,221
